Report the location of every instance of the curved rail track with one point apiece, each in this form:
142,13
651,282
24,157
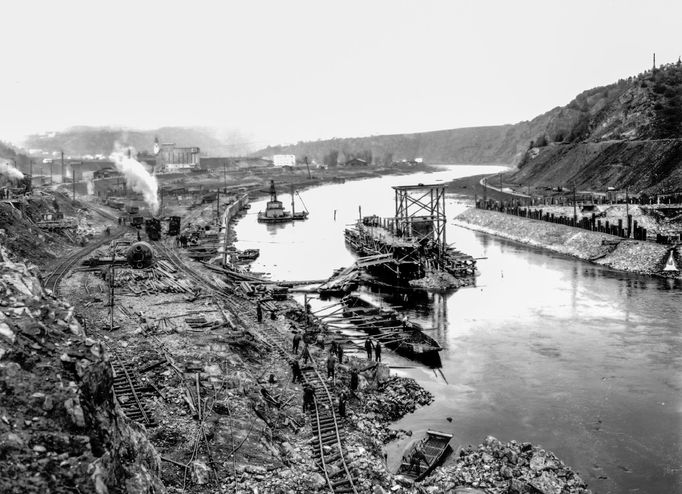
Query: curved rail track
328,448
52,280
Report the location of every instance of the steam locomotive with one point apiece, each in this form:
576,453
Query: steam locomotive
152,228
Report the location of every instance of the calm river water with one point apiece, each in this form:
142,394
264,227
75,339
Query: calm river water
585,361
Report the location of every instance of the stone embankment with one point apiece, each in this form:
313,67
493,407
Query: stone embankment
607,250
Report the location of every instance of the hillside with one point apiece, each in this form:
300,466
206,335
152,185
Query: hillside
627,134
79,141
618,135
469,145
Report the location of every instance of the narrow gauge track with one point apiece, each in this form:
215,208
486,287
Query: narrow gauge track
237,307
326,428
52,280
329,432
130,392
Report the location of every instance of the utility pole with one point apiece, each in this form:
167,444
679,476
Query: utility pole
575,209
627,208
218,208
306,165
111,285
63,174
73,181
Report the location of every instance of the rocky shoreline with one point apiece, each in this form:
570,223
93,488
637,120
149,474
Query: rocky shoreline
606,250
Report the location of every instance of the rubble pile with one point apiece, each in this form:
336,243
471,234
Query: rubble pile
59,429
397,397
514,468
440,280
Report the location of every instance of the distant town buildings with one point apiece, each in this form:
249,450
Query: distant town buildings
284,160
170,158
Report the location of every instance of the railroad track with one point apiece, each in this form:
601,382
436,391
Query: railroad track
327,445
130,393
328,448
52,280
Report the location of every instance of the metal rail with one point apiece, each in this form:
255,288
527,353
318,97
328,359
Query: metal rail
327,431
130,386
275,339
52,280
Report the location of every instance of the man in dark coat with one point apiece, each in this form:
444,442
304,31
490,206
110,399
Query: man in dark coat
339,352
296,372
259,312
305,353
368,348
353,379
342,405
308,398
296,342
377,351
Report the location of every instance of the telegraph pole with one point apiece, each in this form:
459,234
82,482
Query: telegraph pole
575,209
306,165
73,181
63,166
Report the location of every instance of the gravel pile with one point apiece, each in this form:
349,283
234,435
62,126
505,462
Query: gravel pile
514,468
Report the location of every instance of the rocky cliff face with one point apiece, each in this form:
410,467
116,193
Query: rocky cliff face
60,430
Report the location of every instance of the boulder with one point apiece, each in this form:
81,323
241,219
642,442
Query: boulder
200,472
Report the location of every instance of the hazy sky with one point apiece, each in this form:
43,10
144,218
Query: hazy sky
287,70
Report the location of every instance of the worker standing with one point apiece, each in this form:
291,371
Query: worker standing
331,366
259,313
342,405
296,372
368,348
305,353
339,352
377,351
308,398
353,379
296,342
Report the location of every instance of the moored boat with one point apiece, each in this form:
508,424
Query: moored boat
435,447
274,210
404,337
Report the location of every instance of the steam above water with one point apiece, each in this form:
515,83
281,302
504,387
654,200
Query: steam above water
10,171
138,178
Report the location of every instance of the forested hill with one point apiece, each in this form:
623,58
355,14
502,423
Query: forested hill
470,145
644,109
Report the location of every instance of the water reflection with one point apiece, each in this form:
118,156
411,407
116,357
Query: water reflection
584,360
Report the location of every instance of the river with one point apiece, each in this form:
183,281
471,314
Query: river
580,359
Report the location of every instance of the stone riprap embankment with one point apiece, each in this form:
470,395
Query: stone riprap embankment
607,250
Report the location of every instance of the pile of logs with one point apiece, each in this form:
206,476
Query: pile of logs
152,280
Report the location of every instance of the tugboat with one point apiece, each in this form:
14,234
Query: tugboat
274,211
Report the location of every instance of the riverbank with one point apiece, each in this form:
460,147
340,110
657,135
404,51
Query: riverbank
606,250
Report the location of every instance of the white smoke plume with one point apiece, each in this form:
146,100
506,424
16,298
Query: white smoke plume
7,169
91,187
137,177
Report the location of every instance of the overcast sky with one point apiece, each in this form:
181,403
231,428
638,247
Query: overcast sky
284,71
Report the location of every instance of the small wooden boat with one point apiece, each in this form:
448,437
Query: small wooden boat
436,448
247,255
404,337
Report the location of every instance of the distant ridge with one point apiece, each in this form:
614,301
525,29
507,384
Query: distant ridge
621,135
